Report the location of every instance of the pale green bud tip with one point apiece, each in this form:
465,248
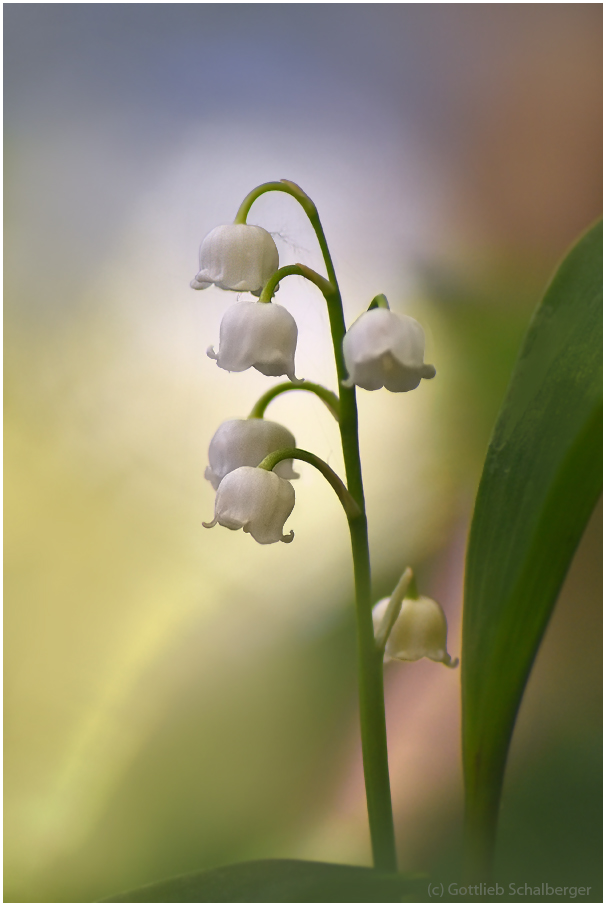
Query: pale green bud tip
419,631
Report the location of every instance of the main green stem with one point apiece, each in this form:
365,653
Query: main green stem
370,661
372,709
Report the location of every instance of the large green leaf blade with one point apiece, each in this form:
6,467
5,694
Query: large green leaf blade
281,881
542,477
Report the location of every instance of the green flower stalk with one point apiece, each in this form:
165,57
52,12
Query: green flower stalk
251,466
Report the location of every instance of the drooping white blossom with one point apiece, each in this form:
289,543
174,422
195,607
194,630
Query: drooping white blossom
384,349
419,631
246,442
237,256
257,335
257,501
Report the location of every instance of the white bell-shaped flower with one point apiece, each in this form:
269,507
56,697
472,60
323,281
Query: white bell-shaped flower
257,501
419,631
246,442
237,256
383,349
259,335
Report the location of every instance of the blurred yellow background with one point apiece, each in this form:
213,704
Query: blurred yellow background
177,699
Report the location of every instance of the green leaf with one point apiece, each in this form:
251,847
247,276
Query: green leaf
281,881
542,477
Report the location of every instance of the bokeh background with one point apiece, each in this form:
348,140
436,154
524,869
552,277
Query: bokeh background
179,699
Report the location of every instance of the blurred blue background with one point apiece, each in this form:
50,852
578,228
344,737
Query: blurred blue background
177,699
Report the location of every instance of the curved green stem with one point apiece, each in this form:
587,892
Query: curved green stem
294,270
284,185
330,400
352,510
370,661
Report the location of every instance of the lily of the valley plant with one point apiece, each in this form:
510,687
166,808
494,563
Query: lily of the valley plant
251,459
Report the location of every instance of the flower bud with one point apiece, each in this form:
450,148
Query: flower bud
246,442
419,631
383,349
237,256
257,335
257,501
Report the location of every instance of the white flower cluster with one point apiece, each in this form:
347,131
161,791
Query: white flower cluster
249,498
381,349
246,442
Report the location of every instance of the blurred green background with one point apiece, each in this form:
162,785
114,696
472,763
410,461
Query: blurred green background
178,699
